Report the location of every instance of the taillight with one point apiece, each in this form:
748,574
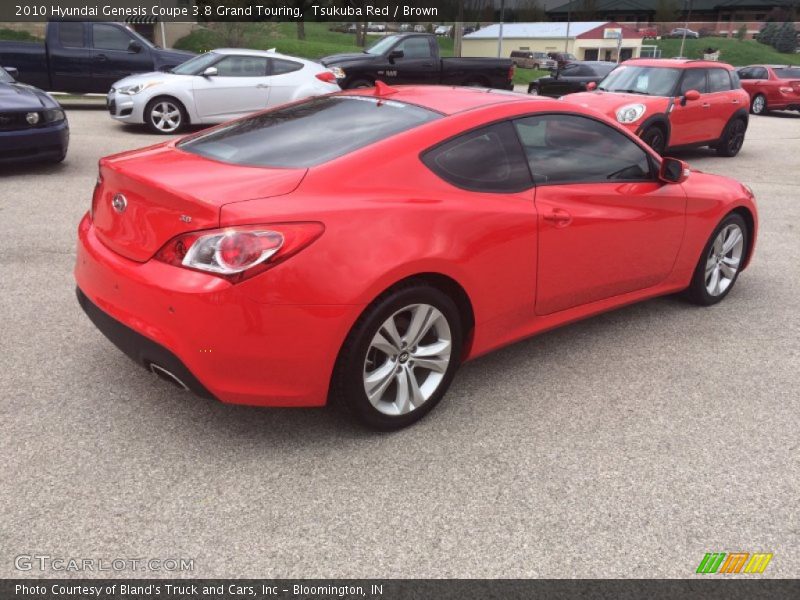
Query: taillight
511,70
326,76
237,253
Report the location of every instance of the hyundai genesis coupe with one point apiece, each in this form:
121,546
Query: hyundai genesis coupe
358,247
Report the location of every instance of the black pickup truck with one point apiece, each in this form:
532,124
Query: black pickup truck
84,58
414,58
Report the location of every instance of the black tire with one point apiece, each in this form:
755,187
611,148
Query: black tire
732,138
151,120
533,90
655,137
347,385
760,107
697,292
360,83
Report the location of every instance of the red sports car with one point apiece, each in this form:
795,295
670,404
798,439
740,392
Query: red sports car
361,246
673,103
771,87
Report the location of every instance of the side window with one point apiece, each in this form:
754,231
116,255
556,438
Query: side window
281,67
571,70
719,80
760,73
71,35
242,66
746,73
108,37
694,79
485,160
575,149
415,47
735,83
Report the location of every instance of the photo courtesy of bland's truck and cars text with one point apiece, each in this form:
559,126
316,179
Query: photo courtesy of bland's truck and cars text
468,298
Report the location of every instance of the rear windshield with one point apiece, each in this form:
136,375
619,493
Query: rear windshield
788,73
310,133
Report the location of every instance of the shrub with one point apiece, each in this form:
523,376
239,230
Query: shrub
741,34
786,38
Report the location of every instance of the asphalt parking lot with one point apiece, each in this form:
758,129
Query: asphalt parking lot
627,445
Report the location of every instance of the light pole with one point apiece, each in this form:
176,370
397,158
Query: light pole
688,5
500,33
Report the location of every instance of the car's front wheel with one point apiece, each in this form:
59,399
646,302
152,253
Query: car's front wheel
721,262
655,137
165,116
400,357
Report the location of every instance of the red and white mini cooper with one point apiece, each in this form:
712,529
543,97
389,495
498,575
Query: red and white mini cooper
673,103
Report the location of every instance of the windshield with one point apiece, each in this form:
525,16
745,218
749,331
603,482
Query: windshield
381,46
788,73
196,65
139,37
5,77
310,133
651,81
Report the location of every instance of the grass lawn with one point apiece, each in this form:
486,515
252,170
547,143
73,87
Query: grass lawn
732,51
17,36
319,42
525,76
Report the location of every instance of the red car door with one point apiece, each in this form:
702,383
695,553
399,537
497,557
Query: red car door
724,100
606,225
690,118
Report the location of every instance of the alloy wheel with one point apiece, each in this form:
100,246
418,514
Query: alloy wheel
736,139
758,104
724,259
166,116
407,359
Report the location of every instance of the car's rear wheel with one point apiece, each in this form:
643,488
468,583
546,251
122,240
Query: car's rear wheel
361,83
720,262
165,116
759,105
733,138
533,90
400,357
656,138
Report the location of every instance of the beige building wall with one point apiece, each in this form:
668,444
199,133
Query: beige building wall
484,47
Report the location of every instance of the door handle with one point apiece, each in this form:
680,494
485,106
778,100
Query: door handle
559,217
262,85
735,101
101,57
706,105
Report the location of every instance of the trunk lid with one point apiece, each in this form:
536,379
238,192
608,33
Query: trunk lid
162,192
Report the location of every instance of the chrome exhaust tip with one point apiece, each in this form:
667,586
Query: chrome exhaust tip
168,376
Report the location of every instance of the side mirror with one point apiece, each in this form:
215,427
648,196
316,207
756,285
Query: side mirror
592,85
12,71
690,96
673,170
134,46
395,54
210,72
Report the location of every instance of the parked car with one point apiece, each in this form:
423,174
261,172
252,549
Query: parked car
562,58
215,87
574,77
249,264
771,87
527,59
679,32
33,125
443,30
674,103
419,28
649,32
414,58
86,58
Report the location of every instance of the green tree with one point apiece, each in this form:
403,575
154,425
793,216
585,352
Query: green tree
786,38
768,33
667,11
741,34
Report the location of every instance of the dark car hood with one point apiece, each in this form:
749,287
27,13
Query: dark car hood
18,96
174,56
336,59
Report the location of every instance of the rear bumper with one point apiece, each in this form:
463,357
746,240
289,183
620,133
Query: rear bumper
211,335
36,143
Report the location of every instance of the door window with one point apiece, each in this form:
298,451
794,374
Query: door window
488,159
415,47
281,67
108,37
694,79
242,66
719,80
71,35
573,149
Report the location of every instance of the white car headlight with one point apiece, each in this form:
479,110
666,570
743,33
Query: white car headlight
630,113
131,90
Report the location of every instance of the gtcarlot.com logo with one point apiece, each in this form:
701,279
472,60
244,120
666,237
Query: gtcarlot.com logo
43,562
734,562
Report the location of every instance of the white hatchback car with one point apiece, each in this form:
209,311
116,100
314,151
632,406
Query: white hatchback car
215,87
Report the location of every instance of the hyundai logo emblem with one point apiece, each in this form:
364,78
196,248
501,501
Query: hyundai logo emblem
120,203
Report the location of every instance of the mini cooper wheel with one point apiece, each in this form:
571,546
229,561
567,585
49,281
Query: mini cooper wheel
400,357
733,138
165,116
759,105
655,138
721,262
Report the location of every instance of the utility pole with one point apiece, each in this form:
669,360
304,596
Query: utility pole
688,5
500,34
569,19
